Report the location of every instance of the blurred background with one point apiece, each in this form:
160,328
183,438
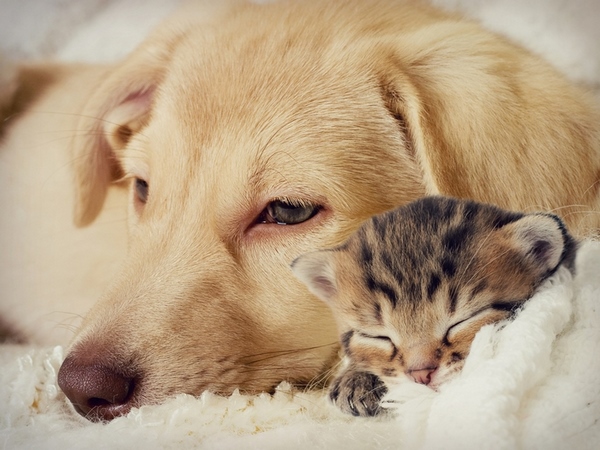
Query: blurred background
565,32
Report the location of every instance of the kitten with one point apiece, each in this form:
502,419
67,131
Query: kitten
411,288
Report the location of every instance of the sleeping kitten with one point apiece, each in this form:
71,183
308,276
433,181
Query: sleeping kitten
411,288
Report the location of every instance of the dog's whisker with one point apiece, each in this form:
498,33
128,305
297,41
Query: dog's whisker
261,357
275,368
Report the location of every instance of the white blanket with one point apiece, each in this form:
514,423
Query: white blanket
532,384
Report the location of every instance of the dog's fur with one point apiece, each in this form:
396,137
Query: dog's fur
351,105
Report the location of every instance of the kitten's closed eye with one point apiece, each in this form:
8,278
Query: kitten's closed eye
371,350
474,322
384,340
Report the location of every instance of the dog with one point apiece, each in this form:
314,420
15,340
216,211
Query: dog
202,165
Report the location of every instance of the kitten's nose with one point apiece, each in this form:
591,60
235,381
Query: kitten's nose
422,376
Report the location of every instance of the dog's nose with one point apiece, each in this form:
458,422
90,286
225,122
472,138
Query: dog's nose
98,392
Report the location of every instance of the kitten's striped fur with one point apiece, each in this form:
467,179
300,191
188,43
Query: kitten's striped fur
411,288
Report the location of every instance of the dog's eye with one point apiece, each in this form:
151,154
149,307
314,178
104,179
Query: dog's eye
288,212
141,190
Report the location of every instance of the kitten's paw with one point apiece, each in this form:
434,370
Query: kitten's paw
358,393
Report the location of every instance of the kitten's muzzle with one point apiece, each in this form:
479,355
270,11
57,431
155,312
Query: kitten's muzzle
422,376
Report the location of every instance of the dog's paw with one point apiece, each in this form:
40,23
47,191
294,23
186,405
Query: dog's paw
358,393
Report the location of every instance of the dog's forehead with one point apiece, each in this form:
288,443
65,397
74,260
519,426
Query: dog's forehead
258,91
248,110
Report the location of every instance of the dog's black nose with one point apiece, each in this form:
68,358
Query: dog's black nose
98,392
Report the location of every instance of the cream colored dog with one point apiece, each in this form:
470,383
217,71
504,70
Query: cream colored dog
228,149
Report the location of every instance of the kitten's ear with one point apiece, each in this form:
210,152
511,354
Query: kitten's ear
317,271
544,241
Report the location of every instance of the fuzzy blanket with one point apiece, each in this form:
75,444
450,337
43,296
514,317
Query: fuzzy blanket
534,383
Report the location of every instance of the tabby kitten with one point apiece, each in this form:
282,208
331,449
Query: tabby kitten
411,288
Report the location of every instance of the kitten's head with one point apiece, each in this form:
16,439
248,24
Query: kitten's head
411,288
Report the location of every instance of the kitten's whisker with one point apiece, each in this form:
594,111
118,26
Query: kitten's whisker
322,379
592,186
560,208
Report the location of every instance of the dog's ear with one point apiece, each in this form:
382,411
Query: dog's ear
121,105
476,110
117,109
404,104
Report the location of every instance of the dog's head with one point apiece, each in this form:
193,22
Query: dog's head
245,144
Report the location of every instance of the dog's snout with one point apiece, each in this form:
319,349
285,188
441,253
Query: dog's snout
97,391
